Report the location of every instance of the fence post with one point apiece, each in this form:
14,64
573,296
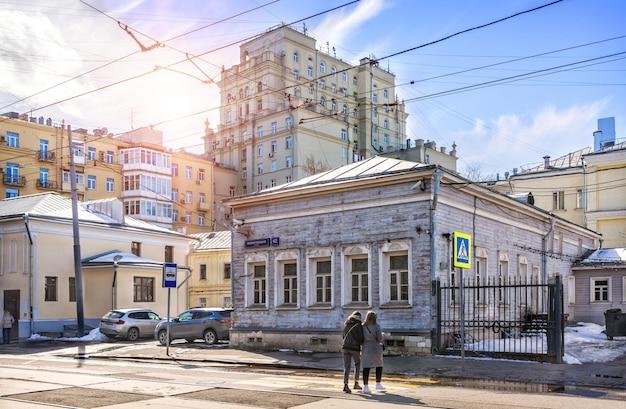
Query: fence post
436,336
555,328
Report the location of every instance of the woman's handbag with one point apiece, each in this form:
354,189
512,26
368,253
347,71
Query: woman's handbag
380,343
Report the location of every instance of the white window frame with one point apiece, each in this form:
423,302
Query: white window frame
571,290
503,276
388,250
592,289
348,254
558,200
313,256
481,255
283,258
253,260
91,182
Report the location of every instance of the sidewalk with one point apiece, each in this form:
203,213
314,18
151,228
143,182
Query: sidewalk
484,373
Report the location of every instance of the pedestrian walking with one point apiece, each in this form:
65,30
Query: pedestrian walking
7,324
373,348
351,349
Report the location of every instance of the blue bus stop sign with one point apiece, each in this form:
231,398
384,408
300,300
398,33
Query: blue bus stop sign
169,275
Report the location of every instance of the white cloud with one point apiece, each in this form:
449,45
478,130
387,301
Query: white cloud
513,140
343,25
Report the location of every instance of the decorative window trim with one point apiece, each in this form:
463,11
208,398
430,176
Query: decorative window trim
279,260
251,260
347,254
388,249
592,289
312,256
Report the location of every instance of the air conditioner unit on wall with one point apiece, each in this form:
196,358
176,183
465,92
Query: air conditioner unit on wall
198,182
271,154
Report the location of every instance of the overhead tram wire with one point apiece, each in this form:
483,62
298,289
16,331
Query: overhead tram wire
379,59
438,40
288,24
164,43
179,62
470,29
545,71
295,22
129,55
512,61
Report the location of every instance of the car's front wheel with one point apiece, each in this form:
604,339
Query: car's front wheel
163,337
210,336
133,334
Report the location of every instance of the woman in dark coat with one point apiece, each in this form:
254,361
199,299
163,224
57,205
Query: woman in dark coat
351,349
372,351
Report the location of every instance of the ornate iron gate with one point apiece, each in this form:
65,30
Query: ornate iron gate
501,319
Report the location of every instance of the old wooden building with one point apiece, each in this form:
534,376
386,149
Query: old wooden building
378,235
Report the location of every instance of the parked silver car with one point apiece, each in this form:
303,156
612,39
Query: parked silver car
209,324
130,323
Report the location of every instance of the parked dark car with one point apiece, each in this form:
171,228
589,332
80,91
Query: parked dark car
208,324
129,323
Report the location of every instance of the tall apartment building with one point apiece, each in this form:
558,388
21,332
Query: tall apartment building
585,187
172,189
289,109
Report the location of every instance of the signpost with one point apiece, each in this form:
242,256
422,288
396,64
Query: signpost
462,259
170,271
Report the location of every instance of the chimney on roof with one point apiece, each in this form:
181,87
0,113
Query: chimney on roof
546,161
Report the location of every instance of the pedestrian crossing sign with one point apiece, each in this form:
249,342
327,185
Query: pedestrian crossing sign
462,250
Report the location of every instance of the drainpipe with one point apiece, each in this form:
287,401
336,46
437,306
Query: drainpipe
437,175
544,252
31,277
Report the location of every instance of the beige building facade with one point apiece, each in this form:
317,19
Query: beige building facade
38,229
585,187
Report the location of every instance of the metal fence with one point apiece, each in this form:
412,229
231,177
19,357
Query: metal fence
501,319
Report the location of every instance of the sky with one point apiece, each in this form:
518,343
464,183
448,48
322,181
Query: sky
584,343
506,91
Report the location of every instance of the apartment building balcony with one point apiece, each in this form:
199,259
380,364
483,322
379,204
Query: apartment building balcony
46,156
204,206
14,180
46,184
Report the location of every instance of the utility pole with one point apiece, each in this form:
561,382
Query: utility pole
78,272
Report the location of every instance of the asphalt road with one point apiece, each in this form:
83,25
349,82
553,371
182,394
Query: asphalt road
79,375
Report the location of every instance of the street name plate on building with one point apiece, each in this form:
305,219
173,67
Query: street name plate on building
274,241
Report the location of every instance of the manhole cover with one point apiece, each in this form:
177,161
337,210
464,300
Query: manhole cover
254,398
80,397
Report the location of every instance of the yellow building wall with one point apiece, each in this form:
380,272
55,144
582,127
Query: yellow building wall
215,289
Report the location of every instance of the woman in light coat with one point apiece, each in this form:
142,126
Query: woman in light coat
7,324
372,355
